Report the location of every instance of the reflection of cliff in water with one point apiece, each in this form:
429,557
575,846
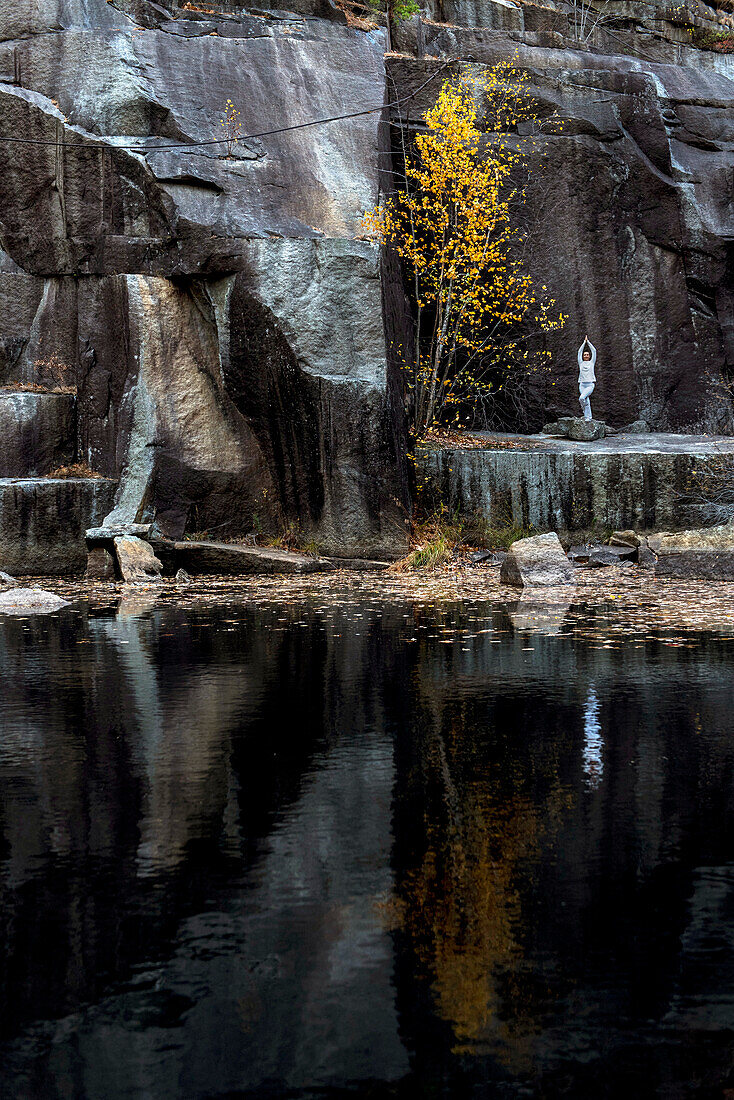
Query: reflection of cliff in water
567,795
138,791
291,845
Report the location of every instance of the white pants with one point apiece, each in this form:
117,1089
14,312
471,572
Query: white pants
585,391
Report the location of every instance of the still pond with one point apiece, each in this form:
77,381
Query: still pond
383,848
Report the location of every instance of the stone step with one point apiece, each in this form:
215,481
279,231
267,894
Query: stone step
203,557
43,522
37,432
234,559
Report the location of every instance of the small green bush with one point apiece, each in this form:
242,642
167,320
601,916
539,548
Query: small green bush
718,41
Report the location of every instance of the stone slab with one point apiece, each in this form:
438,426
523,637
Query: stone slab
634,481
37,432
109,532
234,559
710,565
705,554
43,523
621,443
359,565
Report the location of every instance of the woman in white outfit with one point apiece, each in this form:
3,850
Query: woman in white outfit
587,378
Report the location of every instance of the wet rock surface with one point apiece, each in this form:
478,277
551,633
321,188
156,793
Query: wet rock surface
631,223
227,339
538,561
30,601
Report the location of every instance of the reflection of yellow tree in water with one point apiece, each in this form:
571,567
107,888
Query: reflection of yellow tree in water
461,904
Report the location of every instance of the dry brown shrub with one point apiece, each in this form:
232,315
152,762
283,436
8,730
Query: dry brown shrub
77,469
33,387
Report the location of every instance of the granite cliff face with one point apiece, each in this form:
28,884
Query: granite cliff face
221,324
630,214
233,344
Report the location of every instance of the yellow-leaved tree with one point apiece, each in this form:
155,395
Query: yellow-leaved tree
451,222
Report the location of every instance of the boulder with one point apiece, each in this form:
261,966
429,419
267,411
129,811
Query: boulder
100,564
43,521
637,427
138,564
561,427
609,555
539,560
586,431
624,538
182,577
30,601
491,558
598,555
706,554
6,580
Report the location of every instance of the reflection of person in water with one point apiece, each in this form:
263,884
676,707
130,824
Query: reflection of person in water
587,377
593,757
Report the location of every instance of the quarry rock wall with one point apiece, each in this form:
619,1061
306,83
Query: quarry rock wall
234,345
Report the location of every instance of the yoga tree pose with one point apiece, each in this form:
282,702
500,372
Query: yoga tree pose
587,378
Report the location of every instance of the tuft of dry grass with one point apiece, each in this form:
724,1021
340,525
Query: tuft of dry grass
33,387
77,469
442,538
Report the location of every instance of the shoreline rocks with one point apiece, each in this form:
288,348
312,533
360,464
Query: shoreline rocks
537,561
702,554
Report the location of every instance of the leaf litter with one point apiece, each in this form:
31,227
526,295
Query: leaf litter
609,609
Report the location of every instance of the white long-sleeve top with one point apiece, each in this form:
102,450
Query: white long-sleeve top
586,370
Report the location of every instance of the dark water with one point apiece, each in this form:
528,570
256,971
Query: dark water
313,851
